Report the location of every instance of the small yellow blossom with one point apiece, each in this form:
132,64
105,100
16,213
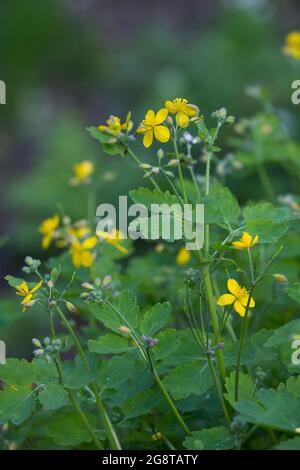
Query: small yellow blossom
113,238
28,294
81,252
238,296
115,127
47,229
183,256
245,242
152,125
292,45
82,172
183,110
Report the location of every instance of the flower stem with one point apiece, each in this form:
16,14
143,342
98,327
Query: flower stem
138,162
180,173
71,395
242,337
219,389
167,396
109,428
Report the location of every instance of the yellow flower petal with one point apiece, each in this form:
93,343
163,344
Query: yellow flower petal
189,109
244,301
233,287
246,239
23,289
148,138
142,129
76,259
183,256
182,119
239,308
161,116
89,243
150,118
26,299
87,259
226,299
36,287
162,133
255,240
238,245
171,106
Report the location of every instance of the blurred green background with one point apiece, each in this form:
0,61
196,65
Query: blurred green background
68,64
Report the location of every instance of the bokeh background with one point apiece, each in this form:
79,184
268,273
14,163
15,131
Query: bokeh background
68,64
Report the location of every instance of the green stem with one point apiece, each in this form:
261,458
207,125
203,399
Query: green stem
71,395
219,389
138,162
242,337
180,173
251,265
109,428
167,396
195,183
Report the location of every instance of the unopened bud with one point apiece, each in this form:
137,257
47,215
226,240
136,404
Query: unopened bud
155,170
106,280
145,166
220,346
71,307
170,120
124,329
280,277
157,436
36,342
29,304
50,284
173,162
87,285
38,352
112,141
160,154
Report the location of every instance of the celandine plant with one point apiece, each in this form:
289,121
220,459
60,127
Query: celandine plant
173,349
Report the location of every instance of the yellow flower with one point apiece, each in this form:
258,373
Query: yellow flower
238,296
47,229
152,126
28,294
115,127
245,242
81,254
82,172
113,238
183,256
292,45
183,110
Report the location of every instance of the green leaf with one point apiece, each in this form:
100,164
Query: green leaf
289,444
267,221
220,205
127,308
53,397
156,318
67,429
110,344
13,281
110,376
246,387
16,371
284,334
98,135
255,350
294,293
186,351
194,378
147,197
16,404
210,439
277,409
168,343
140,404
76,376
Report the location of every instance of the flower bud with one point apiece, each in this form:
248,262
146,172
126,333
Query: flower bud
170,120
160,154
173,162
87,285
157,436
124,329
280,277
36,342
145,166
71,307
107,279
38,352
155,170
